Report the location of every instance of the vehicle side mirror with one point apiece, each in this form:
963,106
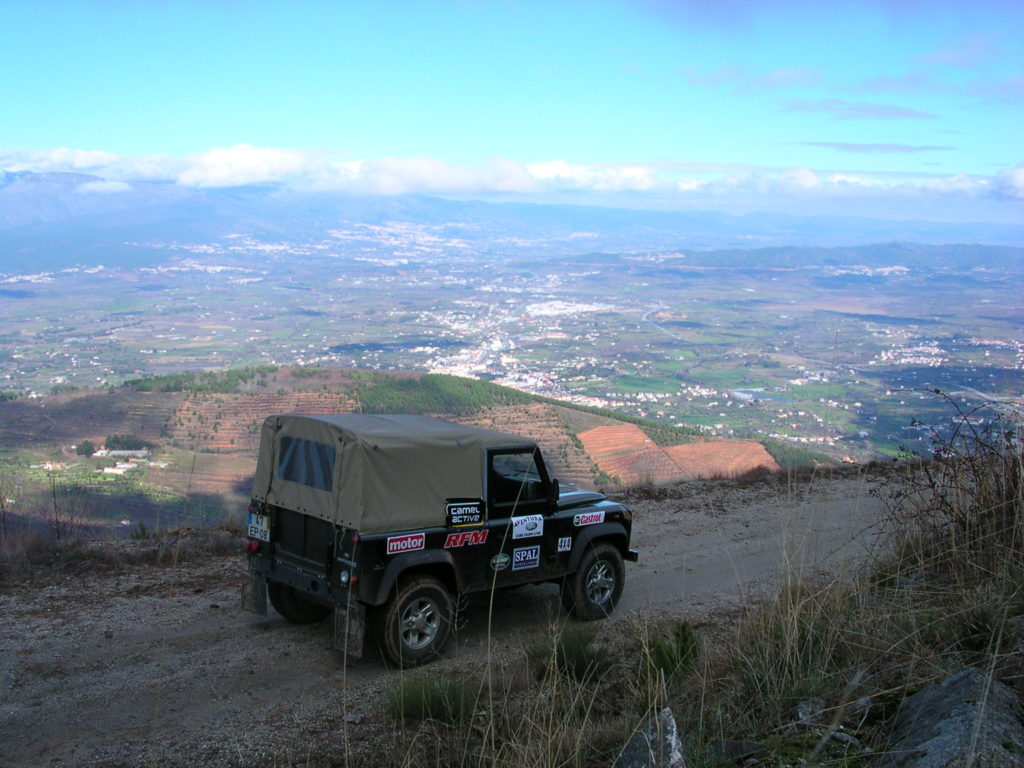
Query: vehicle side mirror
553,493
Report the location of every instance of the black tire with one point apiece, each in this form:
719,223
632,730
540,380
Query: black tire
293,606
417,623
594,589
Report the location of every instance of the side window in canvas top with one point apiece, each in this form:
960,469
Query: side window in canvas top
306,462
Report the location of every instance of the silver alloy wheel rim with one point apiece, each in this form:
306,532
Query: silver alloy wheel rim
420,623
600,582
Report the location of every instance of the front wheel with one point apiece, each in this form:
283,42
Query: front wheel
293,606
417,622
594,589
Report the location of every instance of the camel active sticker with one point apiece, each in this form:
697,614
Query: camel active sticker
527,527
500,561
526,557
468,512
588,518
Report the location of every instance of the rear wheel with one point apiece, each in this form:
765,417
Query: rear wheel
594,589
417,623
293,606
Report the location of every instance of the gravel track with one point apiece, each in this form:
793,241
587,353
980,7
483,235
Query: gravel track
157,666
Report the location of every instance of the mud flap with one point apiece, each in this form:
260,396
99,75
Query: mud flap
350,629
254,594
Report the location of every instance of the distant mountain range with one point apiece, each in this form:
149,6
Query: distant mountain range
57,220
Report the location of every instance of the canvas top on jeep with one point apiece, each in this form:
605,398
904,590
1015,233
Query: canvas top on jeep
373,473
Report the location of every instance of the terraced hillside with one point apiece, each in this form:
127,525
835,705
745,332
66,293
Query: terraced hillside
85,415
206,431
565,457
224,423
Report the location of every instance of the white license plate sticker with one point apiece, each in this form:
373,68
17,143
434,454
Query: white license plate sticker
259,527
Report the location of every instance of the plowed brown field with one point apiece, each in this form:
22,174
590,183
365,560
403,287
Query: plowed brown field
627,454
720,458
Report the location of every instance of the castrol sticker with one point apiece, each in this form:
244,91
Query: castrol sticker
409,543
588,518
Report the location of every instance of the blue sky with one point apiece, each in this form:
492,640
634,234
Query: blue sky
897,108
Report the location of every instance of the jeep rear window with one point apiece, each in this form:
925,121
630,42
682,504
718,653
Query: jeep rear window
306,462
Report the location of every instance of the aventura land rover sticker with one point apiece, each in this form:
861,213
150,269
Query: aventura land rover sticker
465,538
408,543
500,561
468,512
588,518
565,543
526,557
527,527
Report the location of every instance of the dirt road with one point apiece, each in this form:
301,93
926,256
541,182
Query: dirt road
157,666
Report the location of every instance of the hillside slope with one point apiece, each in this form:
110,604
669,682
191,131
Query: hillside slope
205,432
119,661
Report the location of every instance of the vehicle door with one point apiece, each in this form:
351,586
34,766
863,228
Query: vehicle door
519,507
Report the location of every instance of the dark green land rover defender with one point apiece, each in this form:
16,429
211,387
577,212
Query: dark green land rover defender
399,515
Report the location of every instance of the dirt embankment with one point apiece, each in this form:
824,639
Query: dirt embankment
156,665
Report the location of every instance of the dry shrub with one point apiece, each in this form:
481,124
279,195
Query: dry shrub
28,553
959,514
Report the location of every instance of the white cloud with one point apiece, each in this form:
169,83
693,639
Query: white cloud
800,178
725,186
1009,184
244,164
595,177
60,159
690,185
958,184
103,187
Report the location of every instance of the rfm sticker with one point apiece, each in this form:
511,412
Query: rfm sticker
465,538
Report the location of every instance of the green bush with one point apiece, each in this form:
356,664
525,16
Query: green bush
427,696
571,652
675,655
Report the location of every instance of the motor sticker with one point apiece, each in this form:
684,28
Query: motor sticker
588,518
465,538
565,544
408,543
526,557
527,527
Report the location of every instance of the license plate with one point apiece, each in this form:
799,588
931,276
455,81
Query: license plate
259,527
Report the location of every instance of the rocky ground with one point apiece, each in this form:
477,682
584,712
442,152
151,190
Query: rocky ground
121,664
